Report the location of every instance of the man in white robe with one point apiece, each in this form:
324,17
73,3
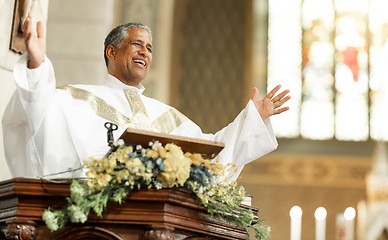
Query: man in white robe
48,130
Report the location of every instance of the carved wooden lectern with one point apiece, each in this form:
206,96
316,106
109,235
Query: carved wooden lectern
145,214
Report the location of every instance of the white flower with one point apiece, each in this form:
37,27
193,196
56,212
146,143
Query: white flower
155,145
77,192
131,178
76,215
51,220
119,142
158,185
143,152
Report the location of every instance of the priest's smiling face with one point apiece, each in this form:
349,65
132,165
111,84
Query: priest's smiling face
130,62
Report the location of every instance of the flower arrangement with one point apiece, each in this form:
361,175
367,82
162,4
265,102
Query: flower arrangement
130,167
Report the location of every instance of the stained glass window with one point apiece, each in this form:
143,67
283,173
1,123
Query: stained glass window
317,110
343,71
351,70
284,59
378,55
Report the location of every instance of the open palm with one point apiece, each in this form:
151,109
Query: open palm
270,104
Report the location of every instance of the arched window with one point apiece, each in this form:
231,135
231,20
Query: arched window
333,55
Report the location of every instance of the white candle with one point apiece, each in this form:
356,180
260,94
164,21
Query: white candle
349,215
296,223
320,223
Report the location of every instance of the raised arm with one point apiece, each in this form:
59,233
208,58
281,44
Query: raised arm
36,44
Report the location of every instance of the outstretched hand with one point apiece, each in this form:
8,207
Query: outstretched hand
36,44
271,104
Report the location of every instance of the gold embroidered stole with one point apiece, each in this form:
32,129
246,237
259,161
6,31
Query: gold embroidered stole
135,102
166,123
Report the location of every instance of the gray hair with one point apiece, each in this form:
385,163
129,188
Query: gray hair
118,34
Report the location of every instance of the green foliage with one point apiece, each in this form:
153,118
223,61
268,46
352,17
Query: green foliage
119,195
113,178
223,200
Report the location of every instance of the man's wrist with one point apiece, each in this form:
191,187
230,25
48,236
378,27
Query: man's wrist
34,64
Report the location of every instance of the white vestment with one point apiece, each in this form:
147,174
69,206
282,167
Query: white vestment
48,130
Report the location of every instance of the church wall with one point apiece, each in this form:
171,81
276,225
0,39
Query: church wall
75,39
212,60
8,59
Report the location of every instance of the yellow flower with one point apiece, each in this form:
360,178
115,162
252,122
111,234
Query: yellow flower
196,158
162,151
167,177
127,150
123,158
176,167
218,169
92,182
222,191
206,163
152,154
90,162
103,179
104,164
147,177
91,174
133,163
183,172
120,175
113,162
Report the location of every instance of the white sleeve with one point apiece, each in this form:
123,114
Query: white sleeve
247,138
24,115
35,89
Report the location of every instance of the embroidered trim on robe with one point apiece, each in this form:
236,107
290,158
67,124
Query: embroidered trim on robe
169,121
98,105
135,102
166,123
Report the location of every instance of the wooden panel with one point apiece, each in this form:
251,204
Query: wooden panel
145,214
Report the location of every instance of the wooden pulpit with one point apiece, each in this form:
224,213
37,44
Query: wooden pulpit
145,214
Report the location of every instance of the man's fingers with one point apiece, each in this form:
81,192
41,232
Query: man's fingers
27,27
280,95
273,91
255,95
280,110
40,29
281,101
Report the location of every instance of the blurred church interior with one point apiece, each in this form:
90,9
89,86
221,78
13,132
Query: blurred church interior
209,54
